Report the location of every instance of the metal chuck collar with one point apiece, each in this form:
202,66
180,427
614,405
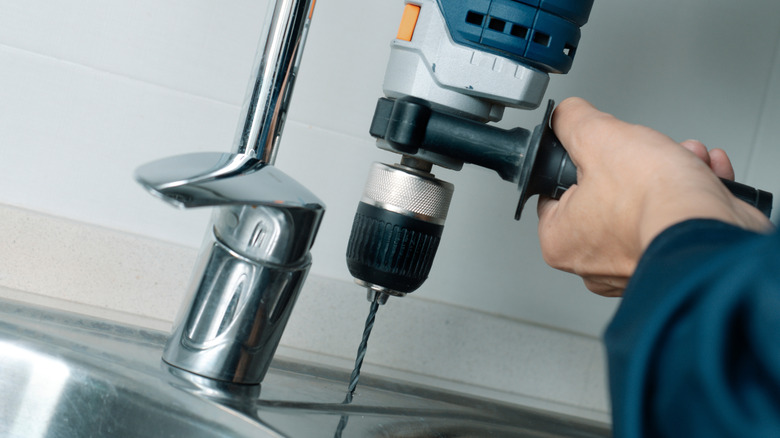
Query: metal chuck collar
397,229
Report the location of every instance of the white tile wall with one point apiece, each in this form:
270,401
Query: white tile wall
201,47
89,90
765,156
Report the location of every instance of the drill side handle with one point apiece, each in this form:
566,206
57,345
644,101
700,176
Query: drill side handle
553,172
410,124
536,162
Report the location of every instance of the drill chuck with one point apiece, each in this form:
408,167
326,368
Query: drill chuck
397,228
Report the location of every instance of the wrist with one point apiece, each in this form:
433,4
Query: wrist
715,205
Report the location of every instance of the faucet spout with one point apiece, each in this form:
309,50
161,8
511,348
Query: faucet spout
276,66
255,256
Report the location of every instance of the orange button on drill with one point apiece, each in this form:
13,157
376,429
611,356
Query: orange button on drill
408,22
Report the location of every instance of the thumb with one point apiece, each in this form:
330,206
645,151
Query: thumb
545,207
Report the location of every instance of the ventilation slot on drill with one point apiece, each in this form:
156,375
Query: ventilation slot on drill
568,50
541,34
496,24
519,31
541,38
474,18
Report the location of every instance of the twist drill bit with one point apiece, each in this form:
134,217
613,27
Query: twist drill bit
361,353
376,300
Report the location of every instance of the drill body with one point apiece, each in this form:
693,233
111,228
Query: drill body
454,66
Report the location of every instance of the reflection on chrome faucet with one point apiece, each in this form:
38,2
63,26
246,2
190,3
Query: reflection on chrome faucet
255,256
247,277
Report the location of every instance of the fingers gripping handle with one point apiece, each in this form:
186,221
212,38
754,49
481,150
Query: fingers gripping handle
553,172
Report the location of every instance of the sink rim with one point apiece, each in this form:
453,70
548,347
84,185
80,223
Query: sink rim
69,332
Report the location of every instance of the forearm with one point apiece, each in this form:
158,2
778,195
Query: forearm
695,334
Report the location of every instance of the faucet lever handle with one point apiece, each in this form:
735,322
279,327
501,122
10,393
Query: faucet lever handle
213,179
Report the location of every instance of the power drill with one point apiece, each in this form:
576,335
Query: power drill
454,66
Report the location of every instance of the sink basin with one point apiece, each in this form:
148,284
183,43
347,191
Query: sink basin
68,375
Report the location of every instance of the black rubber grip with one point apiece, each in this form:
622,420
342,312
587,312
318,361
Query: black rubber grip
757,198
391,250
554,172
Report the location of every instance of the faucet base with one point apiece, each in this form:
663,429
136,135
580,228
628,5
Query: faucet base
234,316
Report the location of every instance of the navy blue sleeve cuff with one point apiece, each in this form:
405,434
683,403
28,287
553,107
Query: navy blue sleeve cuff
677,309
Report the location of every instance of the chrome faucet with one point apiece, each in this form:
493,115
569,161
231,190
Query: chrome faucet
255,256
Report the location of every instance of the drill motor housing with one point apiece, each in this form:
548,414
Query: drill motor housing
454,66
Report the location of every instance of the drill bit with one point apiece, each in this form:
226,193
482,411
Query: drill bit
361,353
376,300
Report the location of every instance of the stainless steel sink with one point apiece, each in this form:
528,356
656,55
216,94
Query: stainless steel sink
67,375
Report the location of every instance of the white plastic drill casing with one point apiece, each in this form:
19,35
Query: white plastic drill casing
458,79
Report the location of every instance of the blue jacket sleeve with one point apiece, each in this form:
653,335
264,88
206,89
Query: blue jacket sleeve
694,348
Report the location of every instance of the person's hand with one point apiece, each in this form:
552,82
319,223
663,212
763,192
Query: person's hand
717,159
632,183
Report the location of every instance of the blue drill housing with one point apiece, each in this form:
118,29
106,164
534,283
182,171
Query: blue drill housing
541,33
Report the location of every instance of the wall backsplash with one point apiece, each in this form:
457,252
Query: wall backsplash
90,90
